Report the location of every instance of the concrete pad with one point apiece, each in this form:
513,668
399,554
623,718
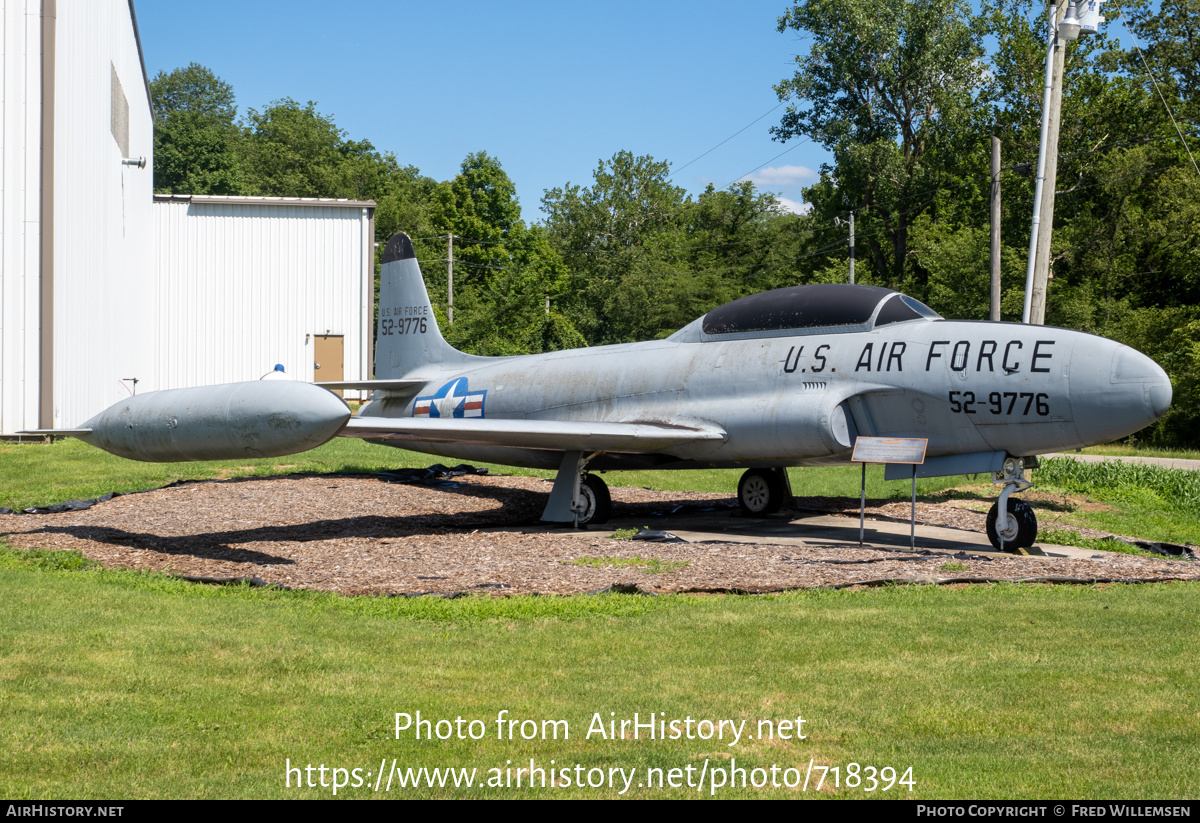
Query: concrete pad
817,529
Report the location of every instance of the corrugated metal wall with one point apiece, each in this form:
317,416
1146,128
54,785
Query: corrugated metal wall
102,211
20,152
105,287
246,285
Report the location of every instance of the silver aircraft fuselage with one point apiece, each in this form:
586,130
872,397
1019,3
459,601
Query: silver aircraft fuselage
800,398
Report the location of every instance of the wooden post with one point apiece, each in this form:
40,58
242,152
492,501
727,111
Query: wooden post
450,280
852,248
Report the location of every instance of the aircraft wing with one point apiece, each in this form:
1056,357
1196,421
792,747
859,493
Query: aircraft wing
531,434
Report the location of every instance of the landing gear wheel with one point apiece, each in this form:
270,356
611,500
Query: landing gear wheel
1022,525
597,501
761,491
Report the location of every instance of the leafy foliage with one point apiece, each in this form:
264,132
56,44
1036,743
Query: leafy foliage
645,259
891,89
504,271
195,140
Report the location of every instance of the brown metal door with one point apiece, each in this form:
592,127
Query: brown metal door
328,362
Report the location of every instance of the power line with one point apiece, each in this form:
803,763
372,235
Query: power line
727,139
1163,99
772,160
855,111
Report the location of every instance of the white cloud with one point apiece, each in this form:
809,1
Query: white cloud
794,207
782,176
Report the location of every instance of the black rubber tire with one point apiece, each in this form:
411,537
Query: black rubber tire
598,500
761,492
1027,526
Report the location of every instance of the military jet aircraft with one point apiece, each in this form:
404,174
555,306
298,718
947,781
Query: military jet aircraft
788,377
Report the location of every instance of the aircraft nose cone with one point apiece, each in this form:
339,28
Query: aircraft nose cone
1159,390
1132,367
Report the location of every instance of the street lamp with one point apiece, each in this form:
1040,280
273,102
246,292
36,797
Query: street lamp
1068,29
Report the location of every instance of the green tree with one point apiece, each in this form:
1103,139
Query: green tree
292,150
194,89
738,241
1169,33
622,240
630,201
646,259
503,270
480,208
955,265
891,88
196,142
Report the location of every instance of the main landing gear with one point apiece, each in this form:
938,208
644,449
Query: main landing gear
578,499
764,491
597,503
1011,523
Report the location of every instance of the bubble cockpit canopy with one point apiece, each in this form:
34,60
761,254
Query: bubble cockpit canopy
823,308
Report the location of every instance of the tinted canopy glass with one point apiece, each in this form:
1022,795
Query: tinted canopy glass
797,307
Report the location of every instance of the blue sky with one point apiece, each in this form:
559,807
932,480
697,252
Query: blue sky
549,88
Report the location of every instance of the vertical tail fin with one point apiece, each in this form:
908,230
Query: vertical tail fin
408,337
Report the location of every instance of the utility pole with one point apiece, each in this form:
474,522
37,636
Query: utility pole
852,248
994,314
450,280
1041,265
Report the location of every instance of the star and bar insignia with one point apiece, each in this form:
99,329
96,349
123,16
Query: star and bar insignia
452,400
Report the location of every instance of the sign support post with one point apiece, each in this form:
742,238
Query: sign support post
912,521
862,506
888,450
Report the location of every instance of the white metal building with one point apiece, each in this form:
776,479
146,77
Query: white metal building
75,105
248,282
99,284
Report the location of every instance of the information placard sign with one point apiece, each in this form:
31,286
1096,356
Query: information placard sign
889,450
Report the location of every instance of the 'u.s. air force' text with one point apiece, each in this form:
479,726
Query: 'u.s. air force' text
993,356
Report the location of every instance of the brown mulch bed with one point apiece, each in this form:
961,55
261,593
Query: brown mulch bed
359,535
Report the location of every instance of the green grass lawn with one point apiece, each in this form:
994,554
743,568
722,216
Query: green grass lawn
117,684
37,474
125,685
1140,500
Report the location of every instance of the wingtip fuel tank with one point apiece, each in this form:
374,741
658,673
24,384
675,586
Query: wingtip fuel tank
226,422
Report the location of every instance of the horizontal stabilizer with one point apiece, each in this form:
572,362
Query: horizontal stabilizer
57,432
530,434
374,385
